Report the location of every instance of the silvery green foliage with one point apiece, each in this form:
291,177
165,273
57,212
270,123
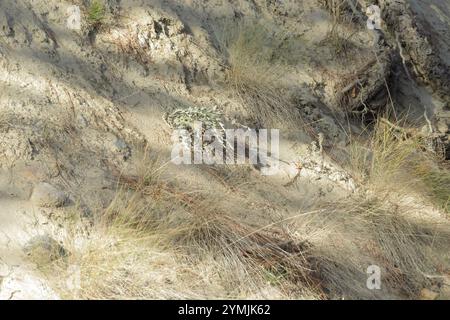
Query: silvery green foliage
184,118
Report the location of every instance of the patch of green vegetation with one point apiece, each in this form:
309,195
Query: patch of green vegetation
96,13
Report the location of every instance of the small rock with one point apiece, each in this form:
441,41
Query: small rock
120,145
47,196
427,294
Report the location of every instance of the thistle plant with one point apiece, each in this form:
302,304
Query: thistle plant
185,118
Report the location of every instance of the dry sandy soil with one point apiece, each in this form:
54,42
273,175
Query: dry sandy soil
88,192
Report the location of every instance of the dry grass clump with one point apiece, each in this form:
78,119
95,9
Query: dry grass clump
342,29
351,235
436,182
156,241
338,39
337,8
257,69
386,156
6,119
396,159
142,247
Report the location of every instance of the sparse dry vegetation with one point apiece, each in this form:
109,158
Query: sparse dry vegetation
151,226
371,231
157,241
257,70
371,192
436,180
341,32
397,159
388,154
